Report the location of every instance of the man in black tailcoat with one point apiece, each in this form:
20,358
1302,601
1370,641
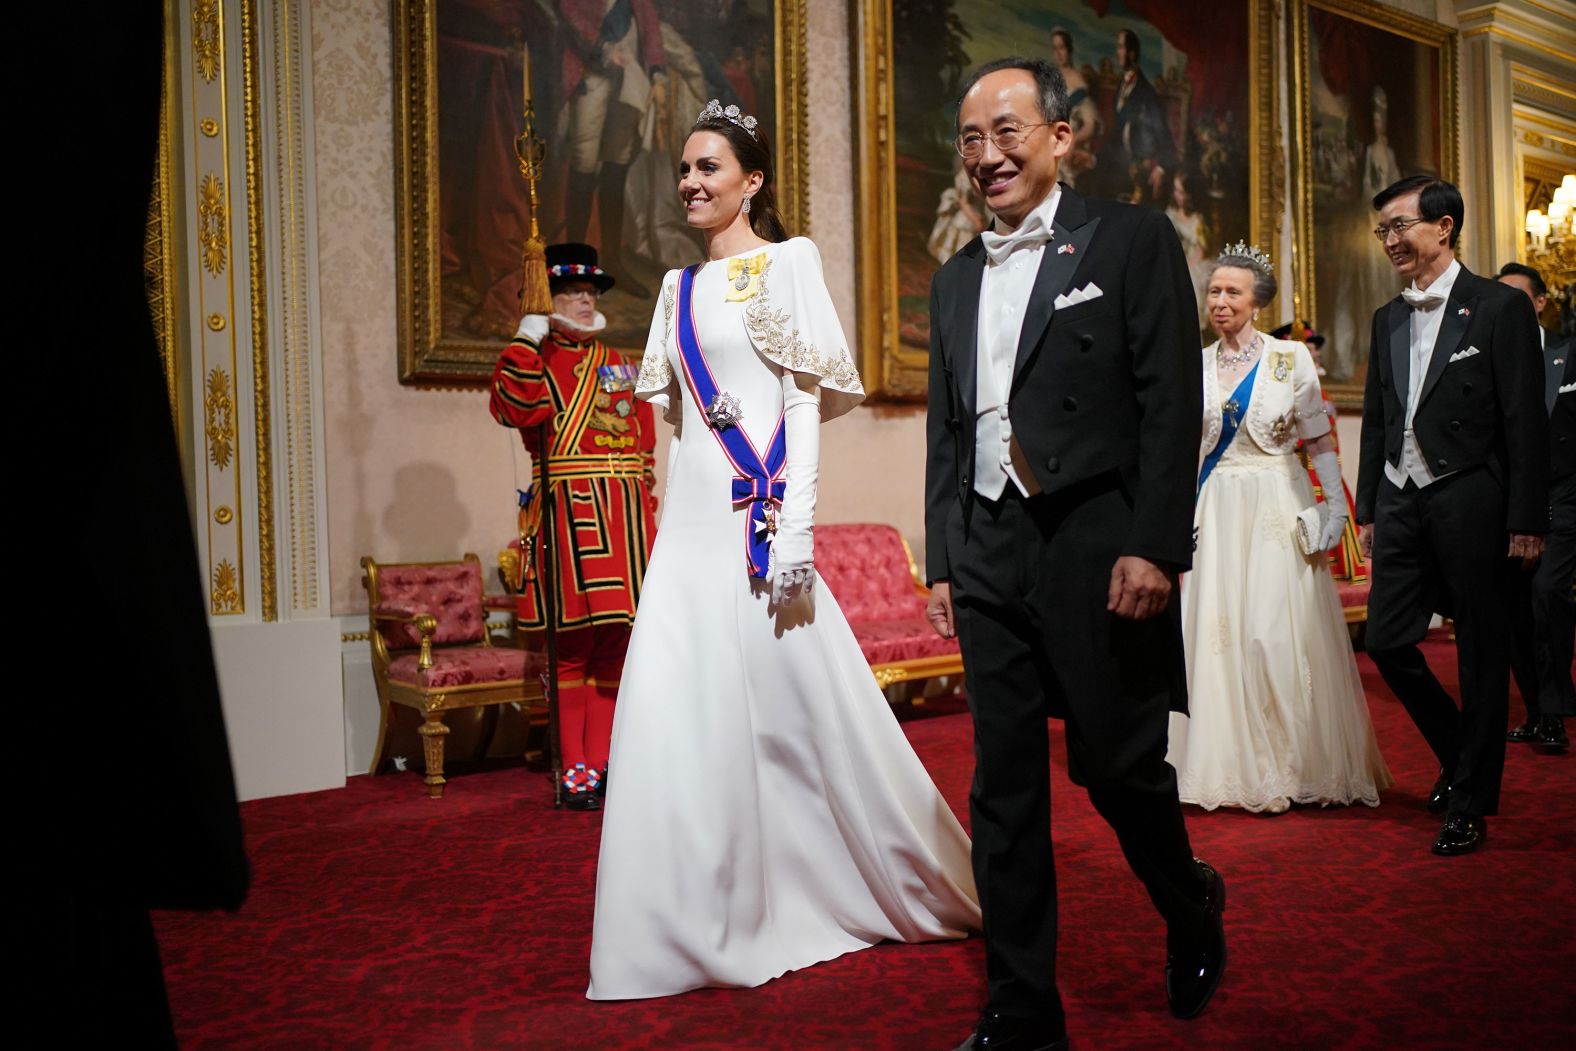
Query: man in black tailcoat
1065,410
1452,486
1545,615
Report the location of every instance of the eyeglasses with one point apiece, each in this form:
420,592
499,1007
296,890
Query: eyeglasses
1398,227
592,294
1007,138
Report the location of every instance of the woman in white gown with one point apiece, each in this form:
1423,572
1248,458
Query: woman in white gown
764,810
1277,708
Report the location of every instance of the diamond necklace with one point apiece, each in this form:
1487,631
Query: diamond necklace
1233,359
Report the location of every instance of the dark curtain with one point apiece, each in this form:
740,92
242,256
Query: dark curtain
141,799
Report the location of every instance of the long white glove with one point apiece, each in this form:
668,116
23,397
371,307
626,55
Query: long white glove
792,566
1328,468
533,327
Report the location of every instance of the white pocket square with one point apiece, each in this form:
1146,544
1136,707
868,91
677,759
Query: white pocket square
1463,354
1079,295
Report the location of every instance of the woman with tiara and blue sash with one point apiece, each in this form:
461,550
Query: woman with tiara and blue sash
764,810
1277,712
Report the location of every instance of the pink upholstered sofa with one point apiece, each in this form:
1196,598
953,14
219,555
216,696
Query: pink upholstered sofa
871,572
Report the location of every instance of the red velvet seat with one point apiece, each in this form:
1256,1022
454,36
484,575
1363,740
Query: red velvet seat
870,571
431,651
1354,601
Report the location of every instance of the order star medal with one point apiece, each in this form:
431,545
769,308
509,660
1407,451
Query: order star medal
724,411
744,277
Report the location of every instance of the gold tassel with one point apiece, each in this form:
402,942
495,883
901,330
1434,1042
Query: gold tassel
536,297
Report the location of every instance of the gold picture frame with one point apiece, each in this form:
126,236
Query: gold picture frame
432,353
1347,53
893,360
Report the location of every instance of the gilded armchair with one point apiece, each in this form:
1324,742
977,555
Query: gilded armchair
432,651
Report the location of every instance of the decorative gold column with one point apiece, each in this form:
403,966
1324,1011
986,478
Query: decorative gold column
210,294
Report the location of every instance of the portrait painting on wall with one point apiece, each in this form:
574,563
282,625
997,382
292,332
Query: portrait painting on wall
615,86
1375,88
1166,111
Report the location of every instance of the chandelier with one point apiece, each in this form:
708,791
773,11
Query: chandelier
1551,239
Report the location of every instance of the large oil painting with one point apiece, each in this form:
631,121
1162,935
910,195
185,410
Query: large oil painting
1169,111
615,86
1377,99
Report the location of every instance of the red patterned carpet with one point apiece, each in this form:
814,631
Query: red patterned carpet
379,919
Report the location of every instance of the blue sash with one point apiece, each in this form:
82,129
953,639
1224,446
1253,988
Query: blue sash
757,481
1228,427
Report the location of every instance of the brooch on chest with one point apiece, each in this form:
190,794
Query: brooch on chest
744,277
1280,366
1280,429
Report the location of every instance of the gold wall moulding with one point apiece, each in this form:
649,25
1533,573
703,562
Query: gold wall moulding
223,515
216,322
219,412
261,413
212,214
206,38
226,589
209,127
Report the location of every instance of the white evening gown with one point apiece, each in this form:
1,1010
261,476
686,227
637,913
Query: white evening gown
1277,712
764,810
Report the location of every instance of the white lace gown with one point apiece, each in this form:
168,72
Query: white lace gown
1277,709
764,810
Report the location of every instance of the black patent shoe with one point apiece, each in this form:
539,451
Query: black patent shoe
1526,733
1461,834
584,799
1194,965
1551,736
1439,797
998,1031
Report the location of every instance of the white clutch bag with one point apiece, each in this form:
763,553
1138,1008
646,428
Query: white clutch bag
1310,523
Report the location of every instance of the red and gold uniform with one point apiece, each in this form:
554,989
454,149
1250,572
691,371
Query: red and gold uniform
1346,559
599,458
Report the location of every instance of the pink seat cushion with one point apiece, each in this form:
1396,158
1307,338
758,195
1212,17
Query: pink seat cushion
866,568
883,641
468,666
450,591
1353,595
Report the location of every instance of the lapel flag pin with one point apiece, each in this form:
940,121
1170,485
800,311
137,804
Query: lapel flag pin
1065,250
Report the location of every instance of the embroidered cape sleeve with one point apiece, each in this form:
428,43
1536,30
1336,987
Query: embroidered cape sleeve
792,322
656,382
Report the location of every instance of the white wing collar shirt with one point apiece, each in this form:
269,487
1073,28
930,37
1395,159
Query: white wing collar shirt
1012,263
1427,315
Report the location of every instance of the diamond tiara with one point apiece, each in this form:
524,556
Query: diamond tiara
1246,251
716,111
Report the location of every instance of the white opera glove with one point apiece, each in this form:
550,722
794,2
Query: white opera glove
792,564
533,327
1328,468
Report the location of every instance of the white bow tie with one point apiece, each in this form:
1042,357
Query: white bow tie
1031,234
1422,300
